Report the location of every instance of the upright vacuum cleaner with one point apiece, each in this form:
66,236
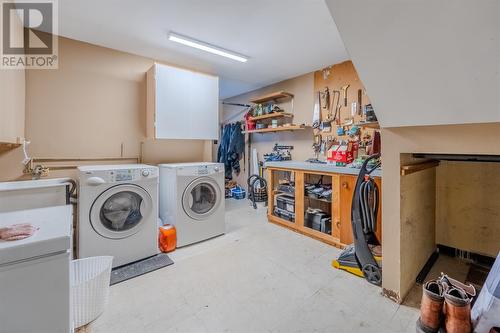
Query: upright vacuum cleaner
364,257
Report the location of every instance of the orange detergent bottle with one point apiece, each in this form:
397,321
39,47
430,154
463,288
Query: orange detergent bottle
167,238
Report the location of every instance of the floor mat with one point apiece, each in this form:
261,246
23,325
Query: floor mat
138,268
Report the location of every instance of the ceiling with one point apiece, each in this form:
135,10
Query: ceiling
283,38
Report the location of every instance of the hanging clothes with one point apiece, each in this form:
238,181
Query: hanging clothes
231,148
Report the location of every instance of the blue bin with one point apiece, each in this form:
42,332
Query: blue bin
238,193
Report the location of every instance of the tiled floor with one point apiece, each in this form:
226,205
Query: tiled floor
257,278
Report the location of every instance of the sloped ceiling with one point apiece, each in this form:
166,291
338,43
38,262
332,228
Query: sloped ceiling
426,62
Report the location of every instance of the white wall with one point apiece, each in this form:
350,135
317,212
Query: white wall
425,62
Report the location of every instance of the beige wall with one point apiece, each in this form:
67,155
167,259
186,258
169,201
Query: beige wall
468,206
93,106
303,89
399,264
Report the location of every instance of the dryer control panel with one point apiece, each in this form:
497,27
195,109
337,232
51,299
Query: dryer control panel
201,170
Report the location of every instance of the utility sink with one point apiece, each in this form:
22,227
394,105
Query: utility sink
31,194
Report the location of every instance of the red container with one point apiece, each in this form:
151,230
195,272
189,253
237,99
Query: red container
250,124
167,238
341,154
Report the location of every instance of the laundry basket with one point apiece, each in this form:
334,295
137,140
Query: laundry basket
89,288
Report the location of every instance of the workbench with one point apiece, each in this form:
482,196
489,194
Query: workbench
342,181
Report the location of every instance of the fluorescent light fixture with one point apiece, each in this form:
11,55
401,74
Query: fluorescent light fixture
206,47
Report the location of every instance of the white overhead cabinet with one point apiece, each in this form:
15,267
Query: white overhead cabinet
182,104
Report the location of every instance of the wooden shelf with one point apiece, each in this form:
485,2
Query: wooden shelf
272,115
6,146
277,129
370,124
272,97
318,199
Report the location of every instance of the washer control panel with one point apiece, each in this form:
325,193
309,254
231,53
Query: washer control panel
98,177
123,175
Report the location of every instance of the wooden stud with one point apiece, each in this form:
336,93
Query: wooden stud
412,168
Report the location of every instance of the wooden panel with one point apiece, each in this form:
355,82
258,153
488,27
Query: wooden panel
335,77
270,191
347,184
378,181
299,199
306,231
336,206
467,206
411,168
7,146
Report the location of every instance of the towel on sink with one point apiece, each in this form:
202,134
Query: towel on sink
17,231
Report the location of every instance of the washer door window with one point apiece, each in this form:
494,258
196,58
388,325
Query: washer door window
120,211
201,198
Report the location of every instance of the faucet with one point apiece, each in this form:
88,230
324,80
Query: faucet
37,171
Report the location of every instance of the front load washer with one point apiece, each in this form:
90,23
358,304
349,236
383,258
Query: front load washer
192,199
118,212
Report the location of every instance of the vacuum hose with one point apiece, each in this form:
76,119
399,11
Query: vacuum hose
368,201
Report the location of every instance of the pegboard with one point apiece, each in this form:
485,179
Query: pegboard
335,77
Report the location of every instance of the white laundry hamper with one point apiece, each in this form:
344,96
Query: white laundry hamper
89,288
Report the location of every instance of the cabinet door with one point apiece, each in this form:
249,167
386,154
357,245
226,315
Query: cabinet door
347,184
12,95
186,104
336,204
378,181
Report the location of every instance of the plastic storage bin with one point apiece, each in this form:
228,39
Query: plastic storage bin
286,203
284,214
238,193
89,288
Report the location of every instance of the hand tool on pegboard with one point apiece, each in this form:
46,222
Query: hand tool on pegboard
360,102
344,92
336,116
325,98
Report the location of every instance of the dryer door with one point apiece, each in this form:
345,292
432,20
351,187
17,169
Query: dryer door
201,198
121,211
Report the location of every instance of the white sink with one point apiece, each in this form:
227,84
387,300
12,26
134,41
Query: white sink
32,194
33,184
